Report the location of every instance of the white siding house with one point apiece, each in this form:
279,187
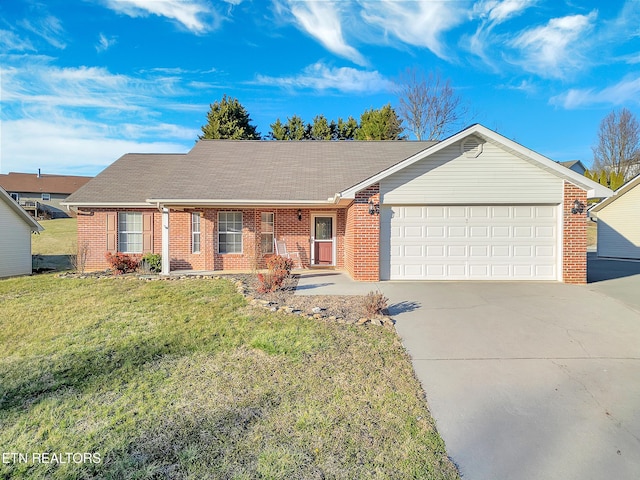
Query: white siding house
16,226
619,222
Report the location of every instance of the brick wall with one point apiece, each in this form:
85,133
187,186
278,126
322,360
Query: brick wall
92,234
574,239
92,227
362,237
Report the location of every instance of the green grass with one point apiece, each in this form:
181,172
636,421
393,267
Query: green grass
181,379
52,247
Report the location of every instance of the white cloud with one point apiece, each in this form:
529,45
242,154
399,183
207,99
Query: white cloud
493,13
105,43
78,120
624,92
418,23
321,77
322,20
496,12
10,42
194,15
71,146
49,28
556,49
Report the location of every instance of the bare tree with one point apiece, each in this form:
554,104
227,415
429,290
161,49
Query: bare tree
618,147
428,104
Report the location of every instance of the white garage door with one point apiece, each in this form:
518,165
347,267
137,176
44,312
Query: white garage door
469,242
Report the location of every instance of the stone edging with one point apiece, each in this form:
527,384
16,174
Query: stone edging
243,289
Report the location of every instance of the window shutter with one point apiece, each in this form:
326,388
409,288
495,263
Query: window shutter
112,232
147,232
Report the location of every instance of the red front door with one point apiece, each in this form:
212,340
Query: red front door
323,240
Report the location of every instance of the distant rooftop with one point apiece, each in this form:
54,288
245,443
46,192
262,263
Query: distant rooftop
41,183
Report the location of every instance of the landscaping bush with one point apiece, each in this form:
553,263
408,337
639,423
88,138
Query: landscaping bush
375,303
279,268
153,261
121,262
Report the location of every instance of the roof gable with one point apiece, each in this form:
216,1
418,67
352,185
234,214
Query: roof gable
594,190
627,187
22,213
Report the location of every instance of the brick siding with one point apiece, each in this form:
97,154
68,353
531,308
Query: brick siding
92,225
362,237
574,237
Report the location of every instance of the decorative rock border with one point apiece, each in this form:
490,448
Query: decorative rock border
243,289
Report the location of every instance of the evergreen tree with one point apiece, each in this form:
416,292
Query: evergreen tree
381,124
227,118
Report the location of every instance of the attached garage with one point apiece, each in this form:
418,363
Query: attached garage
474,242
478,206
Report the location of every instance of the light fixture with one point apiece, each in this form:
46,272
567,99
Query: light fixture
373,208
299,215
578,207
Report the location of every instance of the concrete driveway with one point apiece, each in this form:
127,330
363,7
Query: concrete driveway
529,380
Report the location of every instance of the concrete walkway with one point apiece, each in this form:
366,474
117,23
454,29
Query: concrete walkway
525,380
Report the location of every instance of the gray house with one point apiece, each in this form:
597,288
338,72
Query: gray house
16,226
41,194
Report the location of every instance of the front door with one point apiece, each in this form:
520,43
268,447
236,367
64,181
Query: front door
322,241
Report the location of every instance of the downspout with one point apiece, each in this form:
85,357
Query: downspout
166,265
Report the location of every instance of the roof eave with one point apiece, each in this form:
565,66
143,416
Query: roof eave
195,202
33,224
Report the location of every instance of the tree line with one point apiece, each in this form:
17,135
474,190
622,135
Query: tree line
228,119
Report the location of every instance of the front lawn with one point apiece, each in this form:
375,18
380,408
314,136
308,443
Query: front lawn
181,379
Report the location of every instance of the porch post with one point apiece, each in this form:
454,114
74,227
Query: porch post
165,242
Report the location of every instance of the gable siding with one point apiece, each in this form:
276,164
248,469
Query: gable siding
15,243
448,177
619,227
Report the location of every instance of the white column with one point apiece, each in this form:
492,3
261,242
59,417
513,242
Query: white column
165,241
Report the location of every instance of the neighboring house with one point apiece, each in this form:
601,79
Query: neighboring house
619,222
16,226
575,165
476,206
41,194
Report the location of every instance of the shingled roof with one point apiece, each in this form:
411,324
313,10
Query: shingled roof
45,183
228,170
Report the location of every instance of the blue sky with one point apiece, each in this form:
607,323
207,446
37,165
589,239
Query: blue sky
83,82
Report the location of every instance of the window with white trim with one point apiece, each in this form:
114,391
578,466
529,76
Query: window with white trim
130,232
45,196
266,232
195,232
229,232
15,196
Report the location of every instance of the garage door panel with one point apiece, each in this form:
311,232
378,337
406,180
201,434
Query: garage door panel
472,242
545,232
457,232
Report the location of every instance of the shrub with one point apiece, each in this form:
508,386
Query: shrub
153,261
375,303
278,262
279,268
121,262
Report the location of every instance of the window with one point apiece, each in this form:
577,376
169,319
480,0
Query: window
230,232
46,197
267,232
130,232
195,233
15,196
